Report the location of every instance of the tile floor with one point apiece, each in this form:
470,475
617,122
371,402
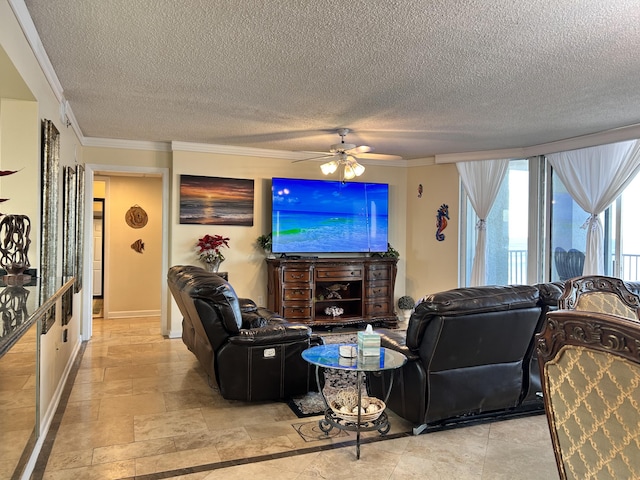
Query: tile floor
140,407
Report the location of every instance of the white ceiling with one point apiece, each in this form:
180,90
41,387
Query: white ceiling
412,78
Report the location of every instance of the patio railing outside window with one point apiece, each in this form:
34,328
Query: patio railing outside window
517,267
630,270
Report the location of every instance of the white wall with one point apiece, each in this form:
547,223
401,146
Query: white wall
433,264
134,278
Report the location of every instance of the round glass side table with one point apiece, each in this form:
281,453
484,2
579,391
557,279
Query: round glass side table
328,356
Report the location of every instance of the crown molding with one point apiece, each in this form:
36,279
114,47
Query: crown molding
482,155
177,146
621,134
33,38
126,144
421,162
28,27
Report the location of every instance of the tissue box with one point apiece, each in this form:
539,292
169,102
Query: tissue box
369,362
369,343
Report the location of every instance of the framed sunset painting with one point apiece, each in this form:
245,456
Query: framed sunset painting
216,200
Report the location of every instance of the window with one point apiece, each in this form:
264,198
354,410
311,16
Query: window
629,232
568,237
507,230
515,257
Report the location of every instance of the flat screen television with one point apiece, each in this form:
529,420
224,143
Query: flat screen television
321,216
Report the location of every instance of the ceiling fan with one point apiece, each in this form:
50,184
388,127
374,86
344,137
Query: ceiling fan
345,155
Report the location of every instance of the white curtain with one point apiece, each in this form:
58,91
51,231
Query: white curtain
594,177
481,180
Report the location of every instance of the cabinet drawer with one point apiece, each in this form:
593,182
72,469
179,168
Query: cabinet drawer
376,308
378,291
378,274
297,293
296,275
297,312
333,273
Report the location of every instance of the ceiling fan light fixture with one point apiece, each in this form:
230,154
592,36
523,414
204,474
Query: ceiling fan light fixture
329,167
358,169
349,172
344,158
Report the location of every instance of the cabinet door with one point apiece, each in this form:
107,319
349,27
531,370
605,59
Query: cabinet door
296,293
297,312
377,308
378,272
296,275
377,290
338,273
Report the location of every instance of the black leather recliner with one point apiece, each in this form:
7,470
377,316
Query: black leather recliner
469,353
251,352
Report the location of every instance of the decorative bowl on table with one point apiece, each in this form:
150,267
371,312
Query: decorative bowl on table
333,311
345,406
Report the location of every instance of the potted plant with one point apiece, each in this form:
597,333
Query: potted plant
264,242
208,251
390,253
406,304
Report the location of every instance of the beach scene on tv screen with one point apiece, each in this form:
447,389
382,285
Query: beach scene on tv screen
313,216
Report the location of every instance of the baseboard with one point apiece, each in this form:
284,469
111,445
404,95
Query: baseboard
134,313
175,334
45,421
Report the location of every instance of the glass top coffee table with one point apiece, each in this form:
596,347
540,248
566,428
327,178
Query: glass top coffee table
328,356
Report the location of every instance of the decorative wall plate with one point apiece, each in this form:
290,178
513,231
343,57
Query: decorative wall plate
136,217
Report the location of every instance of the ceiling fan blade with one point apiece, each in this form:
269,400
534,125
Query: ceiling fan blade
322,157
361,149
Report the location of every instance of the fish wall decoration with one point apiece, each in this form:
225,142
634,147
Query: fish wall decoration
138,245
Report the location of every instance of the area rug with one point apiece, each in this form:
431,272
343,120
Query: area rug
312,403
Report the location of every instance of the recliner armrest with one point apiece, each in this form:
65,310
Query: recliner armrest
271,334
260,317
271,317
247,305
397,343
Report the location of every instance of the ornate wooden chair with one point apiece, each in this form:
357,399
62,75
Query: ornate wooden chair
597,293
590,371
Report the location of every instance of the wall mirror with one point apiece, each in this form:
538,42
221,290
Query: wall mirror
18,362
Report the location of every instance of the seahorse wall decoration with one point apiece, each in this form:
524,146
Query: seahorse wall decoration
441,221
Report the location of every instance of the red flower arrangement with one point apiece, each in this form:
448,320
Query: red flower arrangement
208,247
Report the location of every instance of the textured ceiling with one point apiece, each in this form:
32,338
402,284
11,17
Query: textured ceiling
410,77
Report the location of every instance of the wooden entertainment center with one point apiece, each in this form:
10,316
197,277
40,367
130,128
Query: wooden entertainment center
301,289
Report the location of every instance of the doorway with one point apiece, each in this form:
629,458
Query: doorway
91,253
98,258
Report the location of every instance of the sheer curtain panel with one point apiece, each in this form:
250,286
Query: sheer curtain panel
595,177
481,180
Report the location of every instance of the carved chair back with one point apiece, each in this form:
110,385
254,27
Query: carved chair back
597,293
590,371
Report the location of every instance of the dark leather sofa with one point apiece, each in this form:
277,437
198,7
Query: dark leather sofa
250,352
471,355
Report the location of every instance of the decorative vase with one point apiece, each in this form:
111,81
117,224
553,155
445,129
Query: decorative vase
14,248
214,266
